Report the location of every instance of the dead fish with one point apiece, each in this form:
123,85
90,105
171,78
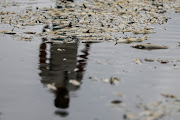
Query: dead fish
91,41
130,116
155,115
8,32
55,41
29,32
131,39
59,37
149,60
177,10
163,61
149,46
143,31
168,95
26,38
148,28
127,30
177,60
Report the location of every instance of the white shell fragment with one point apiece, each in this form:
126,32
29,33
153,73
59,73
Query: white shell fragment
106,80
51,86
76,69
64,59
74,82
61,50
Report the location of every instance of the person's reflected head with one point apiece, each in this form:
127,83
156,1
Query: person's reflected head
62,98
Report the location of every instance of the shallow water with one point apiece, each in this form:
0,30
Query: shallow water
27,67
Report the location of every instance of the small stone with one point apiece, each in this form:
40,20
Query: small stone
116,102
149,60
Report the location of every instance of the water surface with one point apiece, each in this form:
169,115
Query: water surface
27,67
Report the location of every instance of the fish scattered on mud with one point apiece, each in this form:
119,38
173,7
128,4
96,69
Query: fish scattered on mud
92,21
149,46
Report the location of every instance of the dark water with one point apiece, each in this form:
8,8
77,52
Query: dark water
26,68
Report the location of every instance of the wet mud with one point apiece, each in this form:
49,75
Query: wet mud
77,60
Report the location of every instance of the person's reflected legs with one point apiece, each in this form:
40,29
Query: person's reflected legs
62,98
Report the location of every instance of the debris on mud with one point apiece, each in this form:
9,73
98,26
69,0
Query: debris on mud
138,61
113,80
163,61
25,38
92,21
177,9
149,46
99,62
129,116
119,94
168,95
155,111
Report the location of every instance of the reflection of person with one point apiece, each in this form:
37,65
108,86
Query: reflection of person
57,64
58,69
62,98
